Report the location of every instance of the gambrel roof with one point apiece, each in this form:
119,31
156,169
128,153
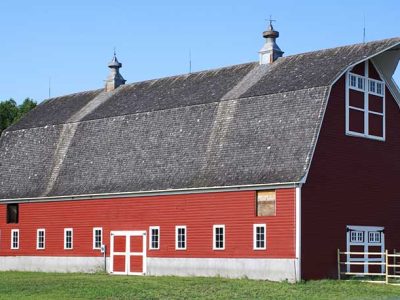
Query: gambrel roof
237,126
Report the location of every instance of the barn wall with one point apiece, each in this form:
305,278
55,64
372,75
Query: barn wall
352,181
199,212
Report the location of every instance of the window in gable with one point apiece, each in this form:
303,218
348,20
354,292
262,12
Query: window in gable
365,106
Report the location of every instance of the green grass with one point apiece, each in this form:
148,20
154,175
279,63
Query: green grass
25,285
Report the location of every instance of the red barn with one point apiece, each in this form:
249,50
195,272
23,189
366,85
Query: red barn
260,170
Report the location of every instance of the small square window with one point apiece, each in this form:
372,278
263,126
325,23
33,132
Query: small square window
154,237
266,203
374,237
357,236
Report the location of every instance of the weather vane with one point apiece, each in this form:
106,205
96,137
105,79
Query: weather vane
270,20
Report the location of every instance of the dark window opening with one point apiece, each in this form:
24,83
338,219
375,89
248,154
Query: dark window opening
12,213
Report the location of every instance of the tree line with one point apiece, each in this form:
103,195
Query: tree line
10,112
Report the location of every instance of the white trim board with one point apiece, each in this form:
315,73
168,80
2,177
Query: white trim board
218,189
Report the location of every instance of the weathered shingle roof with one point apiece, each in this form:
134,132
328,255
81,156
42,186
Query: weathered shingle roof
240,125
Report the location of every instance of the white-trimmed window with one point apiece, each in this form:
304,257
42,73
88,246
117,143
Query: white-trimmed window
41,239
68,238
259,237
15,239
180,238
374,237
218,237
97,237
357,236
154,239
365,106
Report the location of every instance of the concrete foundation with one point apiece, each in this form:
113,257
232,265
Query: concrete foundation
52,264
265,269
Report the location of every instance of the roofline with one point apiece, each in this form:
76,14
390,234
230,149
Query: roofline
362,60
304,178
202,190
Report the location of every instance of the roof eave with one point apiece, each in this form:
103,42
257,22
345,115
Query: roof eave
216,189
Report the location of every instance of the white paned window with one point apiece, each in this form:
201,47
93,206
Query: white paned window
154,238
374,237
356,82
68,238
180,237
357,236
365,106
40,239
219,237
375,87
259,237
97,237
15,239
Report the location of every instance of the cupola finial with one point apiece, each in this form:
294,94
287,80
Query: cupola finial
270,51
115,79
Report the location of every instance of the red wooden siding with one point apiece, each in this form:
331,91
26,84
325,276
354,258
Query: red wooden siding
352,181
199,212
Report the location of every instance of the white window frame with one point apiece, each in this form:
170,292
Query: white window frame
38,241
357,236
366,111
12,239
94,237
215,237
151,237
65,238
255,226
176,237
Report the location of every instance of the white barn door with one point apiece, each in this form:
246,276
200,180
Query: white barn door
365,239
128,252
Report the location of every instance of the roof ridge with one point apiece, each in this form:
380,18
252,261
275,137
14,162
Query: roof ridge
343,46
69,95
248,64
217,69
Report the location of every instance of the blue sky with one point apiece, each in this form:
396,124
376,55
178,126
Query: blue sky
72,41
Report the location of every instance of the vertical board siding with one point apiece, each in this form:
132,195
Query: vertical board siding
352,181
199,212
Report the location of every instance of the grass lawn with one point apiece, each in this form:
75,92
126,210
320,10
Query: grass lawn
25,285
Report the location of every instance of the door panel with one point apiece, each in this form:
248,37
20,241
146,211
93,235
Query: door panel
136,264
136,244
119,243
119,263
